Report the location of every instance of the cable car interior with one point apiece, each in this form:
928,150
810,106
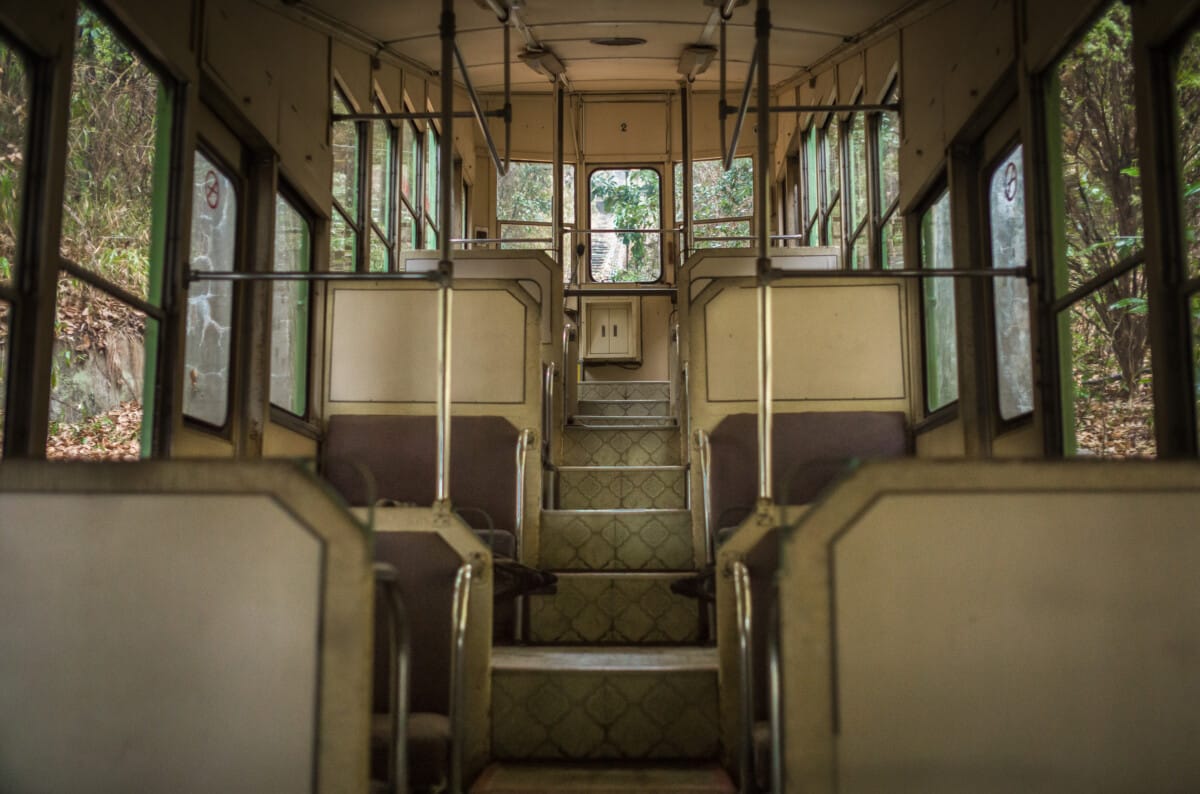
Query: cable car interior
669,396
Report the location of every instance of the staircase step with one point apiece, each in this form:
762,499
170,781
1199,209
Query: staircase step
625,390
614,608
610,488
621,703
617,447
633,540
625,422
603,778
625,407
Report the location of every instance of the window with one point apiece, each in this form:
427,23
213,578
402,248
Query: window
410,148
289,310
346,227
1100,282
1010,296
859,216
891,223
525,207
941,339
812,192
831,167
14,139
383,192
722,202
210,303
625,200
113,241
1187,137
432,183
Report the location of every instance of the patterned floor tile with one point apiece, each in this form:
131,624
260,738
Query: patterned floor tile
600,489
602,447
594,715
616,541
625,390
591,420
624,407
613,609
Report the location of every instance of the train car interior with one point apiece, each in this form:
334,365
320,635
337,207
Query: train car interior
670,396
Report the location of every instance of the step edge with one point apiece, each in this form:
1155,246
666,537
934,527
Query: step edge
619,468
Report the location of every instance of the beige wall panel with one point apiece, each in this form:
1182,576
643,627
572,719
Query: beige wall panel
923,142
190,443
281,442
171,649
239,40
944,441
625,130
306,159
467,135
384,346
706,135
1033,642
985,50
820,92
831,343
1024,442
532,128
883,64
389,82
164,29
851,75
353,67
416,89
656,344
1050,28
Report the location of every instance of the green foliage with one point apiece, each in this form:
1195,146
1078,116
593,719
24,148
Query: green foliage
630,199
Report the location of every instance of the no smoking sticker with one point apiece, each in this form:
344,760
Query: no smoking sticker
1010,181
212,190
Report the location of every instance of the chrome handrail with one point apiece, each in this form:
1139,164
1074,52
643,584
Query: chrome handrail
399,654
775,683
458,674
675,370
704,451
548,374
525,440
745,617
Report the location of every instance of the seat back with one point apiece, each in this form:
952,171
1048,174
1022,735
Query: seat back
809,451
400,452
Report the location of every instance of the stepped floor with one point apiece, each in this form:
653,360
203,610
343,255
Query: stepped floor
615,668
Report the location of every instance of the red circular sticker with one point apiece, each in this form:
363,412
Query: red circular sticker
212,190
1010,181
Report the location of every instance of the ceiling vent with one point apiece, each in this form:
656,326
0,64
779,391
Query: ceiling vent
619,41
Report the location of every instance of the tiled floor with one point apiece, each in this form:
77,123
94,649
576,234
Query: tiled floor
603,779
620,608
632,540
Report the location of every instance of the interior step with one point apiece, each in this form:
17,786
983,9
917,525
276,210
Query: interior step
614,608
632,540
591,704
613,487
624,390
603,446
625,407
560,778
594,420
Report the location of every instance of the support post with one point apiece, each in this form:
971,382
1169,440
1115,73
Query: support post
556,226
685,116
762,33
446,264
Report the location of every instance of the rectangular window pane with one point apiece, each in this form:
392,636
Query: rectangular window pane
98,376
889,157
1096,138
860,255
408,228
432,182
833,225
515,232
812,183
628,199
383,147
893,242
4,315
858,171
117,165
14,138
1108,392
431,237
210,303
833,159
1195,306
941,339
717,193
345,158
1010,296
410,147
1187,135
378,262
730,229
289,311
343,241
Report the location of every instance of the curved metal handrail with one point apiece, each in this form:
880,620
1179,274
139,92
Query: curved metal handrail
775,684
745,617
525,440
704,451
549,371
458,674
399,654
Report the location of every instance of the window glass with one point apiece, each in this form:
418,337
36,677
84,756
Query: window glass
98,376
1194,304
1187,141
1097,140
889,155
432,165
833,159
411,150
722,201
117,165
431,237
525,202
408,229
893,242
941,340
345,158
14,137
5,313
342,241
382,153
210,303
289,311
812,187
627,199
1010,296
860,254
858,175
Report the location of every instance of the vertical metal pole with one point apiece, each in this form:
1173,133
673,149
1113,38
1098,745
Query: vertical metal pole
507,95
762,32
556,226
721,99
446,264
685,116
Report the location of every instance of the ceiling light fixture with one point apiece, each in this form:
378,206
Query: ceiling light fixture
695,60
543,62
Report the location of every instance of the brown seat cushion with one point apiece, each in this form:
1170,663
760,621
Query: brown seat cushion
428,751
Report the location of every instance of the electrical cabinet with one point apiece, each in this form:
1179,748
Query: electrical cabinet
612,329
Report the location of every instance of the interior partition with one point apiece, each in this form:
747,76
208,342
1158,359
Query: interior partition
994,627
